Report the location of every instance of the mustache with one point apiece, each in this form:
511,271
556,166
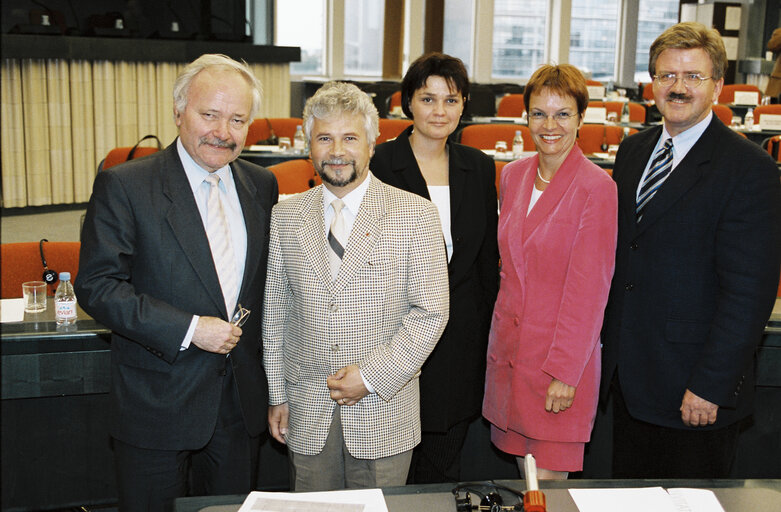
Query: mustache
677,96
214,141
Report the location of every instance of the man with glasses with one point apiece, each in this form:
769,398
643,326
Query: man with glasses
697,267
173,259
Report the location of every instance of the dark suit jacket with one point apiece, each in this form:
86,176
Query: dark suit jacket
696,279
451,385
145,270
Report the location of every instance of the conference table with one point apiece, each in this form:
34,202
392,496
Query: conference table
733,495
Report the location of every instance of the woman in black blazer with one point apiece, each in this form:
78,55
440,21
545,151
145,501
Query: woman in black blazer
460,180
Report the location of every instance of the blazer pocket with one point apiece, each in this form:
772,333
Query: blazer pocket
292,371
687,331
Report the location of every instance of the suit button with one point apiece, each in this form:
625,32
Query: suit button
221,372
333,307
516,321
335,347
512,365
502,275
629,287
633,246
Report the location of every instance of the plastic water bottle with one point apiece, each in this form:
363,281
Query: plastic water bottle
65,301
518,144
299,141
625,113
749,121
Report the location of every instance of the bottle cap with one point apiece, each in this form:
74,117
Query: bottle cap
65,276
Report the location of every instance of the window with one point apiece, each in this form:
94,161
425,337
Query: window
363,24
459,16
293,29
653,18
593,36
519,37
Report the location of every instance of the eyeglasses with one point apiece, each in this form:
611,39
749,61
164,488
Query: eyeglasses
690,80
240,316
540,117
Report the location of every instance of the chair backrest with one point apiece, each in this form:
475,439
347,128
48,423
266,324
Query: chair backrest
391,128
724,113
283,127
727,94
484,136
511,105
648,91
636,110
120,155
21,262
591,136
295,176
394,100
499,166
772,145
766,109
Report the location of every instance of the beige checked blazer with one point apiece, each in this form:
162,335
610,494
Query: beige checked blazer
385,312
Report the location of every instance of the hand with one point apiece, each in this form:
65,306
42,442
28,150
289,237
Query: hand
347,386
559,397
277,421
696,411
213,334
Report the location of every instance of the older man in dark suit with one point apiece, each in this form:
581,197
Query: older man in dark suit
697,265
173,245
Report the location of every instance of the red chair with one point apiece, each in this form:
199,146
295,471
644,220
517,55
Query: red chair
591,137
499,166
727,94
636,110
394,100
511,105
772,145
484,136
261,128
121,155
294,176
724,113
21,262
391,128
648,92
766,109
594,82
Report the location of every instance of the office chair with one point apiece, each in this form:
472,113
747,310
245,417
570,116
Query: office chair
511,105
594,138
22,262
724,113
391,128
766,109
727,94
261,129
484,136
295,176
120,155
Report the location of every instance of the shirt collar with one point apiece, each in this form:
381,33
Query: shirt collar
352,201
195,173
684,141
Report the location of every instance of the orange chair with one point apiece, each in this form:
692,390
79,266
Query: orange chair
772,145
724,113
120,155
391,128
766,109
21,262
636,110
648,92
261,128
499,166
511,105
484,136
294,176
394,100
592,136
593,82
728,91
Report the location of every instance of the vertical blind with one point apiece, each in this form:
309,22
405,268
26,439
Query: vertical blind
61,118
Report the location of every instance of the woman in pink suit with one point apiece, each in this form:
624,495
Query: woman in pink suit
557,241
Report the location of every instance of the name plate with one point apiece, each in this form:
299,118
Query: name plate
746,98
595,115
770,122
595,92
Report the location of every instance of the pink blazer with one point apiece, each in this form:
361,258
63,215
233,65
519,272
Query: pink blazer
557,264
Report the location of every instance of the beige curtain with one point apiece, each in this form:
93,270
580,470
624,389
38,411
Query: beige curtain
61,118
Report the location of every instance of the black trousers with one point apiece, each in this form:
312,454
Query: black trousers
149,480
644,450
438,456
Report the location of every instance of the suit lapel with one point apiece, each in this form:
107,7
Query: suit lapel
366,231
311,234
512,218
187,227
406,167
254,219
628,179
457,181
682,178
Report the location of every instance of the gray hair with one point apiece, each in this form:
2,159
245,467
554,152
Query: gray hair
215,60
336,98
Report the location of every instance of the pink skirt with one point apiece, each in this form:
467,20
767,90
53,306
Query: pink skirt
552,455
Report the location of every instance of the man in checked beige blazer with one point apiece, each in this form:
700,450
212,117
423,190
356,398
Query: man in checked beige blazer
343,345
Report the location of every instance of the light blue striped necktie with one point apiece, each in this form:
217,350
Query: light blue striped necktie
660,169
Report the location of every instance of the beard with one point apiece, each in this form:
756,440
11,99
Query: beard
333,179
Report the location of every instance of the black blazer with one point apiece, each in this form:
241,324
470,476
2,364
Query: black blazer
145,269
452,381
696,279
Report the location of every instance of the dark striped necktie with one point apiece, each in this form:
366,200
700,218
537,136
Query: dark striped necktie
660,169
336,237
